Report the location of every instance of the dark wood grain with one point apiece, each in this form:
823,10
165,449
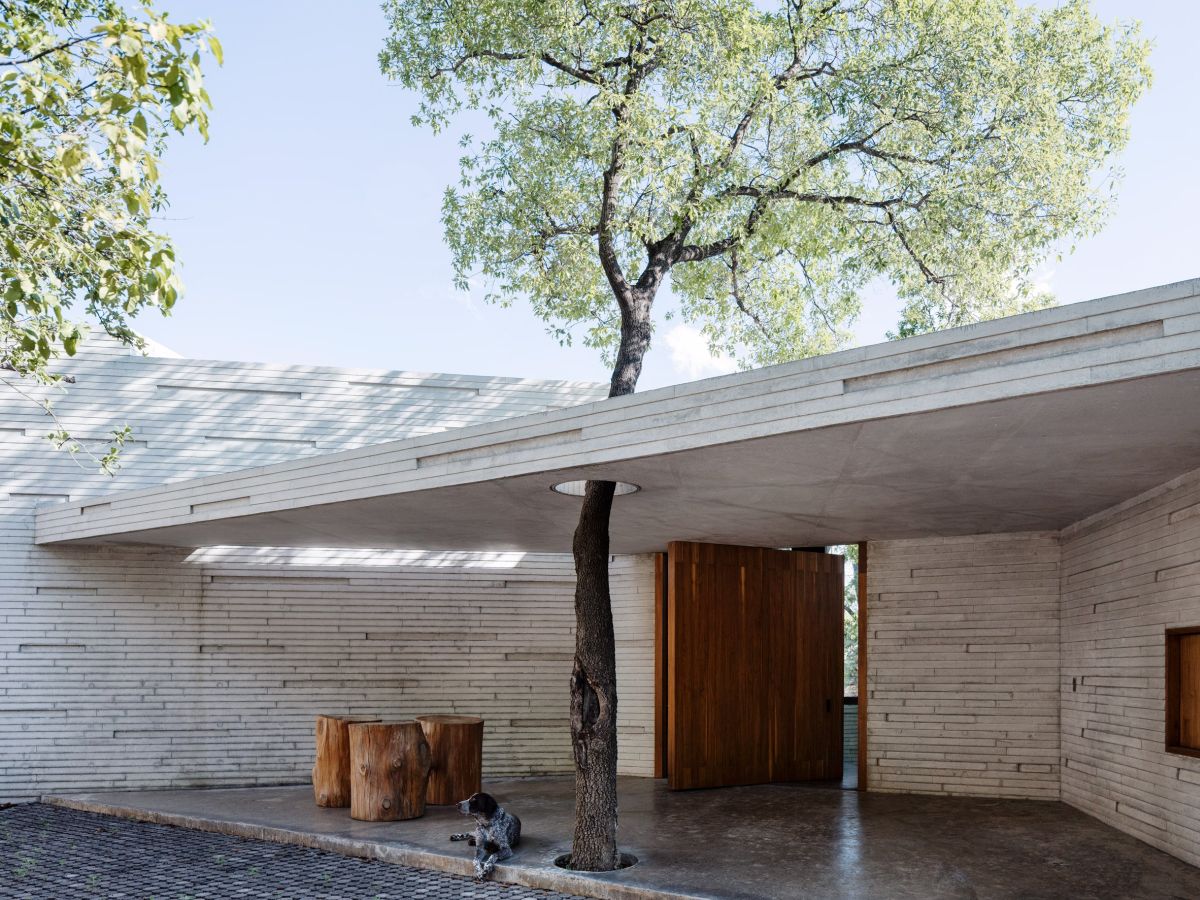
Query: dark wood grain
389,768
754,644
331,771
456,757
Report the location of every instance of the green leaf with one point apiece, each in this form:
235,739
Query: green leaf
87,125
796,152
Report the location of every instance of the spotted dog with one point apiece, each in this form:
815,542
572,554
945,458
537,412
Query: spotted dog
496,833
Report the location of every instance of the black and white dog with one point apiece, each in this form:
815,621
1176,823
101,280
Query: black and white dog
496,833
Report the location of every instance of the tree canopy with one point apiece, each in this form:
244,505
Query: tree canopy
774,158
768,160
89,90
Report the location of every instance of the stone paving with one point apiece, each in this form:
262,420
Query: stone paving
48,852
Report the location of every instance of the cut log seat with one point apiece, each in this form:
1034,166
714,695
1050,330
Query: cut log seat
456,749
331,771
389,768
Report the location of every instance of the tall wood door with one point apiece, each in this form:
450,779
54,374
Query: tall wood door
754,665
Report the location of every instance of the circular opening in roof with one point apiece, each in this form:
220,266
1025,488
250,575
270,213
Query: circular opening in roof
576,488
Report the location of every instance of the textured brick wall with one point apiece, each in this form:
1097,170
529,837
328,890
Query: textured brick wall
137,667
153,668
1128,575
963,665
632,579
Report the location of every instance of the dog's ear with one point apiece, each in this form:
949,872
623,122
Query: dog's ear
487,805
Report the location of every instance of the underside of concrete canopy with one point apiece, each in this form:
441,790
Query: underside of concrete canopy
1022,424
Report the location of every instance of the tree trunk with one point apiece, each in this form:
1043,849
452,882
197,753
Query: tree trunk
331,771
389,768
594,690
594,675
456,750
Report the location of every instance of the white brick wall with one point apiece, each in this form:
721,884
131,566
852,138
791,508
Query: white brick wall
963,665
1033,665
199,417
142,667
632,580
139,667
1128,575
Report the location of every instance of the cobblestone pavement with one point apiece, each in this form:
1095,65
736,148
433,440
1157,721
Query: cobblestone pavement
49,852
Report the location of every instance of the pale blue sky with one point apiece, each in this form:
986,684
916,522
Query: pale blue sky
309,229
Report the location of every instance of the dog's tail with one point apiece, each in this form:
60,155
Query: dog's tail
463,836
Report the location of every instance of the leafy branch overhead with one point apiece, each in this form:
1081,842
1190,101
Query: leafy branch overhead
89,90
769,161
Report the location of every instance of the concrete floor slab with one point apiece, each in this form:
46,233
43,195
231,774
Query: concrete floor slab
772,841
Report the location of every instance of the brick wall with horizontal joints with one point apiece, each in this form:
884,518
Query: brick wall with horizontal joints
135,667
140,668
1129,574
963,675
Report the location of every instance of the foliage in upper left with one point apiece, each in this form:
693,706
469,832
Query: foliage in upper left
89,90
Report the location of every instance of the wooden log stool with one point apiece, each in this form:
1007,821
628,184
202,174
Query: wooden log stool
331,772
389,766
456,748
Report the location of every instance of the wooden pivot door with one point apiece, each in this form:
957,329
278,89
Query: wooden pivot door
754,665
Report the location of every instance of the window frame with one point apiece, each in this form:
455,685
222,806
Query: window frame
1172,646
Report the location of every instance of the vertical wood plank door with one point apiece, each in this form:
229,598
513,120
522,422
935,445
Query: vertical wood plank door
754,649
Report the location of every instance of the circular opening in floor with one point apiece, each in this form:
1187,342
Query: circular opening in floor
564,862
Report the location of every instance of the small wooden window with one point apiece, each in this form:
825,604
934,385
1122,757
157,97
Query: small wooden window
1183,690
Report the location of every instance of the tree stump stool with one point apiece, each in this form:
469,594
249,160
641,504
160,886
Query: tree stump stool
331,772
456,747
389,765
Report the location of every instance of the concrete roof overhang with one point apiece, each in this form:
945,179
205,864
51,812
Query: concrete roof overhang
1021,424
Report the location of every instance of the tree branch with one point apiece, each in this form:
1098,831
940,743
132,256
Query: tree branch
556,230
793,74
764,196
55,49
930,275
580,73
612,182
698,252
736,290
608,203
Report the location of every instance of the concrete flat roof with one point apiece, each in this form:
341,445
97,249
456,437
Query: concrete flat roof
1025,423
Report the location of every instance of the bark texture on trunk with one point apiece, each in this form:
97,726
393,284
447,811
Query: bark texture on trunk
594,675
635,341
594,690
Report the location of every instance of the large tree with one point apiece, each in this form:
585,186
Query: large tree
89,90
768,160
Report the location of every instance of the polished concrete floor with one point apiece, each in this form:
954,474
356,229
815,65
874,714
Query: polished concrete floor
773,841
